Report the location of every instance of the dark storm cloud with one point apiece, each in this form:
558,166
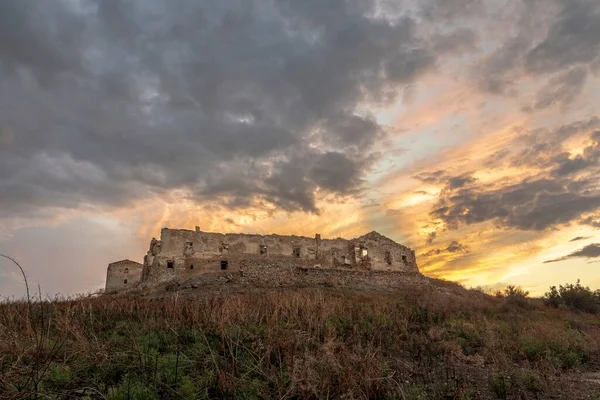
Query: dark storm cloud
591,220
565,190
575,239
535,204
543,148
451,10
244,102
28,37
496,73
497,158
573,38
453,247
456,182
431,177
561,89
459,41
431,237
568,46
105,102
589,251
567,165
335,172
530,205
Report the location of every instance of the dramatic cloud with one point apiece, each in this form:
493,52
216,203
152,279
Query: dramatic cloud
431,237
453,247
258,101
591,220
562,38
575,239
561,89
530,205
589,251
573,38
550,197
431,177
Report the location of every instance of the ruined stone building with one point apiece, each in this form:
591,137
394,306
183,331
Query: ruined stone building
122,274
182,253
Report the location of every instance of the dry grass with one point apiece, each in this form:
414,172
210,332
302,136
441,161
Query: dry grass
301,343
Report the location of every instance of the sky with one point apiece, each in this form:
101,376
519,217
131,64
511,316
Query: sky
468,130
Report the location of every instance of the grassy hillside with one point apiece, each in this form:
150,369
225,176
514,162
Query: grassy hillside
419,343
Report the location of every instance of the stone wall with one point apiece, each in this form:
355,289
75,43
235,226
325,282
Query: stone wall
122,274
282,273
184,253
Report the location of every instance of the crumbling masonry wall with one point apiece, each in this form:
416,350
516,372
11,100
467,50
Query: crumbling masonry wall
122,275
182,253
284,274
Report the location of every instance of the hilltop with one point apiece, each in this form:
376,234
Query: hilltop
219,339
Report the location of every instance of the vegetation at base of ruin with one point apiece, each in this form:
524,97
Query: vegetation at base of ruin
417,343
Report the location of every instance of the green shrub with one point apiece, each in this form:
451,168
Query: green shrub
132,391
515,295
187,389
571,359
531,380
552,298
500,384
467,336
59,377
576,297
533,349
416,393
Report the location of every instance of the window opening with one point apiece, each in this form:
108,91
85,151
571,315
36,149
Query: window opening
388,257
263,249
224,248
126,270
125,281
297,252
191,266
403,259
170,264
224,264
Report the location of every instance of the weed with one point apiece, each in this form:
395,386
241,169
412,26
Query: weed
531,381
135,390
59,377
500,384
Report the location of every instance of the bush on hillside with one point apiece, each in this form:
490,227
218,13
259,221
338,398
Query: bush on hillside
514,295
576,297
